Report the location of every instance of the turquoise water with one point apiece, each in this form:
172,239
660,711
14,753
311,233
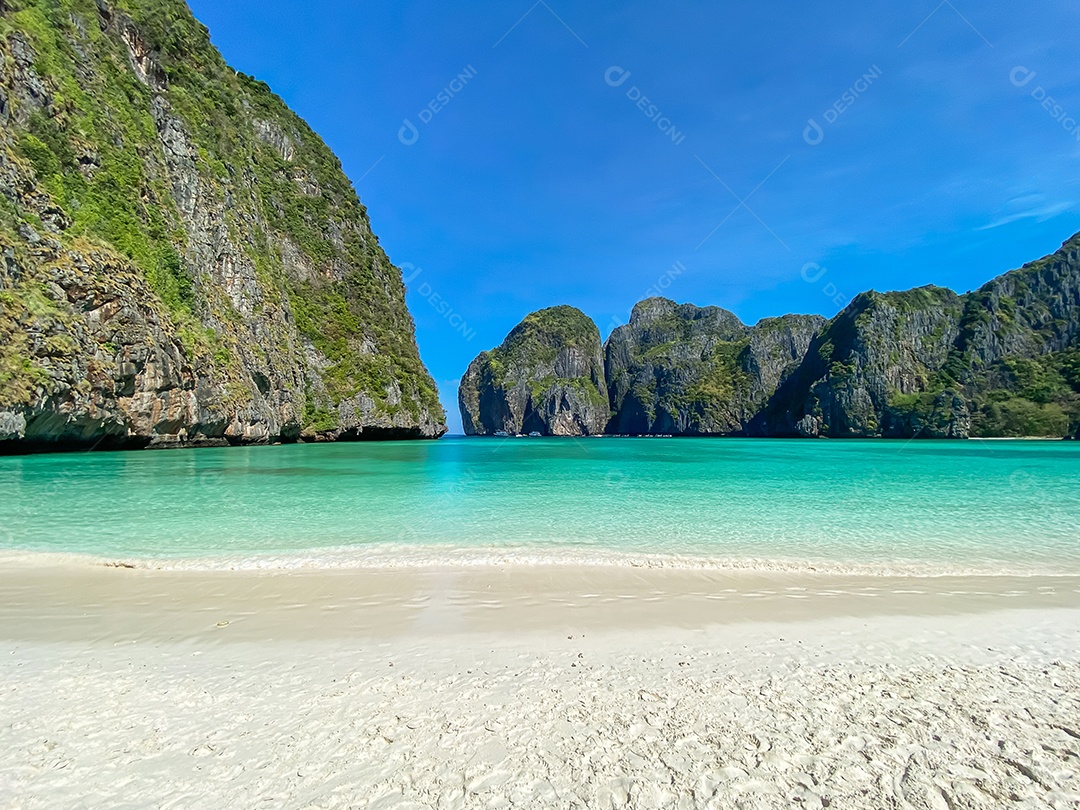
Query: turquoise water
877,506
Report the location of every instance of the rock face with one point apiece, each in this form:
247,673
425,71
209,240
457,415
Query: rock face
858,370
698,370
546,377
182,260
1003,360
926,363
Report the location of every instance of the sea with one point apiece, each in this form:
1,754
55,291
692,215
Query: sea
870,507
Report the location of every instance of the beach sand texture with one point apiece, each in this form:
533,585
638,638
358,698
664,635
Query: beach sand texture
479,689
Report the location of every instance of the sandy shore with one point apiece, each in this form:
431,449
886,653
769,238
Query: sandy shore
535,687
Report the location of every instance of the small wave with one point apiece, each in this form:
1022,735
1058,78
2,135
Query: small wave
389,557
14,558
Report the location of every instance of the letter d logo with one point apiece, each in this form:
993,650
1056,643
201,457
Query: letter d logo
408,134
616,75
1021,76
813,134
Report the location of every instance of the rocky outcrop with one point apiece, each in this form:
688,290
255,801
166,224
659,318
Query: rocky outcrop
184,262
673,369
698,370
1003,360
879,347
547,377
925,363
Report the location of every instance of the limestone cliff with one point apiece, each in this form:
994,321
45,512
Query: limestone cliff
546,377
698,370
880,349
183,260
1003,360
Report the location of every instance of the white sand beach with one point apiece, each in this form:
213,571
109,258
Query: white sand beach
536,687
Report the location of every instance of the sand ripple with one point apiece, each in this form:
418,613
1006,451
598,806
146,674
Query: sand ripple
571,724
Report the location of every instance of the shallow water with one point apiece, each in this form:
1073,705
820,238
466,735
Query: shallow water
929,507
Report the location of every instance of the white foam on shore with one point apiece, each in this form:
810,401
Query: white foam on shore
408,557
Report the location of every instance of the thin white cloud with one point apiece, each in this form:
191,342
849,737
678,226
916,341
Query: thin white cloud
1028,206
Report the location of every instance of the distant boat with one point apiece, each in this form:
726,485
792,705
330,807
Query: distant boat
535,434
502,434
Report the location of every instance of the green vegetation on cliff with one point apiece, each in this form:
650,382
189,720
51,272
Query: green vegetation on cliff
541,335
1037,397
126,128
547,376
1001,361
679,368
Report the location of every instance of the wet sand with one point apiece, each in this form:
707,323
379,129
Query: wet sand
83,602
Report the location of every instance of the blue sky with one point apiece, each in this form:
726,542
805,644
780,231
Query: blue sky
946,147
